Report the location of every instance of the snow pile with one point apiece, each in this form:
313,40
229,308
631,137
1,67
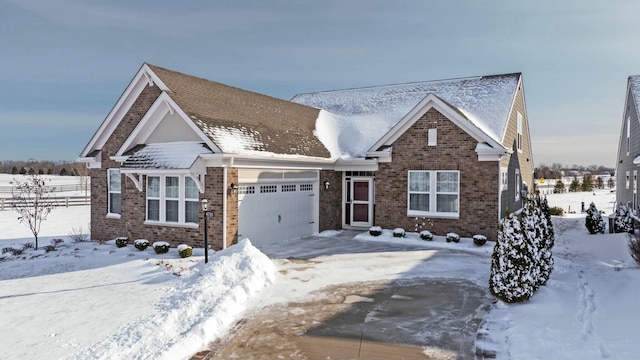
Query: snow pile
199,309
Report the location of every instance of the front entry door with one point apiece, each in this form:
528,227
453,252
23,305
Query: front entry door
361,202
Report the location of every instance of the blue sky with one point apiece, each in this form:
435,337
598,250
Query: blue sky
64,63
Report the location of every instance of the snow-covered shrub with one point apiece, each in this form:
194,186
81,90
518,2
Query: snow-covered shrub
479,240
49,248
623,222
453,237
141,244
185,250
548,240
634,248
398,232
426,235
511,263
161,247
375,231
56,242
27,245
122,241
593,221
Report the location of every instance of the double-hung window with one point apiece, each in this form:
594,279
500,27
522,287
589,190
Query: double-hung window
517,197
433,193
172,200
519,136
115,194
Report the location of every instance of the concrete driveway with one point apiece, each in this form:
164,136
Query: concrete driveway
391,301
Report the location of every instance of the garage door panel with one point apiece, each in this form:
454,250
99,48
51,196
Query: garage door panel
266,217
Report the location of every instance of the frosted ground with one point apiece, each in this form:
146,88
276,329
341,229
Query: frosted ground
87,300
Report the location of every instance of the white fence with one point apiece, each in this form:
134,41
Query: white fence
66,201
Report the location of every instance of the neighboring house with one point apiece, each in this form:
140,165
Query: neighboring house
456,152
629,148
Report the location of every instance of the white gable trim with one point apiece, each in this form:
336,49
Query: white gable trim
161,107
143,78
431,101
513,104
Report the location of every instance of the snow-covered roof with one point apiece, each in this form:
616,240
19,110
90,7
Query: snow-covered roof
172,155
354,119
244,122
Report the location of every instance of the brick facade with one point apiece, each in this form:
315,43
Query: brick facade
131,221
455,150
330,210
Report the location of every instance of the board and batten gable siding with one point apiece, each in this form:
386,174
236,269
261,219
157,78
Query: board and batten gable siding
455,150
519,159
625,162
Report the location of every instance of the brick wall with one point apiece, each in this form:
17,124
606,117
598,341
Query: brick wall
131,222
330,200
455,150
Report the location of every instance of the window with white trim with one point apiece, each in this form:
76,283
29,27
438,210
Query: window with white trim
153,198
433,193
191,200
628,179
115,194
504,178
519,139
517,184
172,199
432,137
628,136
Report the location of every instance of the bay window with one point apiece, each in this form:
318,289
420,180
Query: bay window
433,193
172,199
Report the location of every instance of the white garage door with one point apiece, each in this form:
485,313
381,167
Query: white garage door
268,213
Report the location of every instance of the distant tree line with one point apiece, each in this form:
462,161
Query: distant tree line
556,170
32,166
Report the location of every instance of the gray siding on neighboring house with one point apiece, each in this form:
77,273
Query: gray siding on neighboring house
625,162
522,160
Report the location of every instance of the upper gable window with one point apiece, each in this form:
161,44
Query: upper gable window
115,194
518,184
519,137
628,136
432,137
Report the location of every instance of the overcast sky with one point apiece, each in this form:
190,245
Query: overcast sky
64,63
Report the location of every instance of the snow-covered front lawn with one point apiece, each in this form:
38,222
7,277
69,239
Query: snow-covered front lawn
86,300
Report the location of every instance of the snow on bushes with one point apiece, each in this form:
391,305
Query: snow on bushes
141,244
375,231
398,232
453,237
161,247
426,235
522,259
593,221
185,250
623,222
479,240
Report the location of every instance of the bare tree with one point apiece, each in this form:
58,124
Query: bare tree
83,179
31,199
